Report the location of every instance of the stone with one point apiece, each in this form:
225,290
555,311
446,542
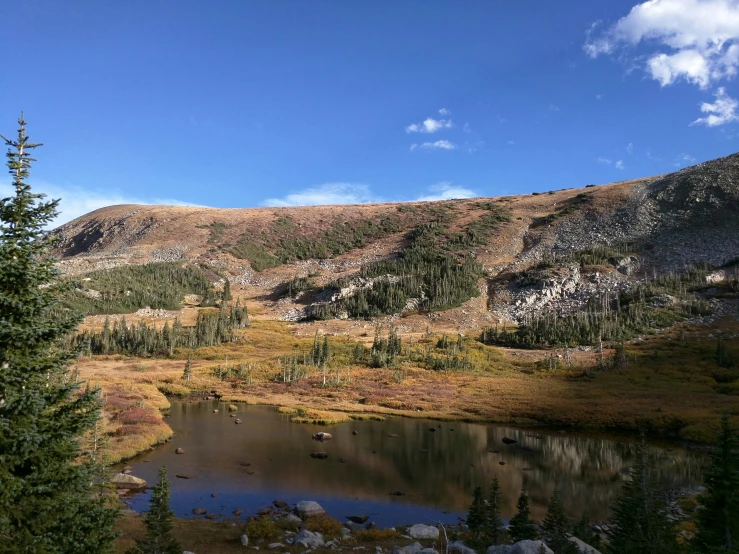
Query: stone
319,455
458,547
521,547
308,508
179,450
583,547
279,504
244,540
187,552
237,421
358,519
392,435
397,493
414,548
264,512
355,432
421,531
428,551
275,545
124,481
215,411
322,436
507,440
308,539
199,511
237,512
211,516
292,518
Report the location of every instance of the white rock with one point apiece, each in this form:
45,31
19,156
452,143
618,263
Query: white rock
458,547
308,539
127,481
521,547
308,508
244,540
414,548
275,545
421,531
428,551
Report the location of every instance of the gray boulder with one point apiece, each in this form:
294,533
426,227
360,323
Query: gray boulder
308,508
414,548
428,551
244,540
521,547
127,481
458,547
420,531
584,547
308,539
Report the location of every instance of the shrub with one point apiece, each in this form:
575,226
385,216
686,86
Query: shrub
134,416
372,535
329,527
262,528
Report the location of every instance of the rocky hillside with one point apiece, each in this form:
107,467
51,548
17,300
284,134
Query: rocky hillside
522,254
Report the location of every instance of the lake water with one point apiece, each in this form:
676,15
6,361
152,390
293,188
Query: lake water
267,457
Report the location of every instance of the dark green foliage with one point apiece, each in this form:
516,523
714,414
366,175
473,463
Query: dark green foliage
159,521
718,520
212,327
125,289
217,228
47,503
521,525
583,530
384,351
645,307
494,530
298,285
556,527
723,358
639,522
477,516
226,295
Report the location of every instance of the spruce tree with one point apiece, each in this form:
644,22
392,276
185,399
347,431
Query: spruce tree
46,499
187,373
718,520
556,527
639,522
477,516
521,525
583,530
158,521
495,531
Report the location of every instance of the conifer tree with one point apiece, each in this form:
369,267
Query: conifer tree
226,296
476,518
495,531
639,522
46,499
583,530
521,525
159,520
718,520
187,373
556,526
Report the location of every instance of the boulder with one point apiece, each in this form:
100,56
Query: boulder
244,540
421,531
292,518
126,481
199,511
414,548
507,440
583,547
308,539
237,512
308,508
275,545
179,450
458,547
357,519
280,504
322,436
319,455
521,547
211,516
428,551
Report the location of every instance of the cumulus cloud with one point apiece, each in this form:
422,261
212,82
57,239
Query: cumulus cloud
630,148
603,160
619,164
77,201
438,145
429,125
327,194
697,40
446,190
723,110
444,111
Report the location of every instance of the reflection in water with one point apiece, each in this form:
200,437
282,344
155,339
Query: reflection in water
268,457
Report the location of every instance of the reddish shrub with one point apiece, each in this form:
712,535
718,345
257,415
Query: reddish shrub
125,430
138,415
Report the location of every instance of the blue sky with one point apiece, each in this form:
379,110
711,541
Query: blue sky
233,104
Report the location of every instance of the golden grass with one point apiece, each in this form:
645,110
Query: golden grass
318,417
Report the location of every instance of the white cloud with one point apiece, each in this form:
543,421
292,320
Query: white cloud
603,160
446,190
438,145
326,194
467,128
695,40
444,111
683,160
723,110
77,201
598,96
630,148
429,125
619,164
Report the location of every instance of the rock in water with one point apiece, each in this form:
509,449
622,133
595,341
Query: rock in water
280,504
322,436
179,450
308,508
126,481
506,440
199,511
308,539
420,531
319,455
358,519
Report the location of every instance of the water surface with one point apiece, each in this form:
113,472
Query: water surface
267,457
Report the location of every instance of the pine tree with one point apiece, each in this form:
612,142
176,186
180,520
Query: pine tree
495,531
556,527
46,500
476,518
159,520
187,373
718,520
639,522
583,530
226,296
521,525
